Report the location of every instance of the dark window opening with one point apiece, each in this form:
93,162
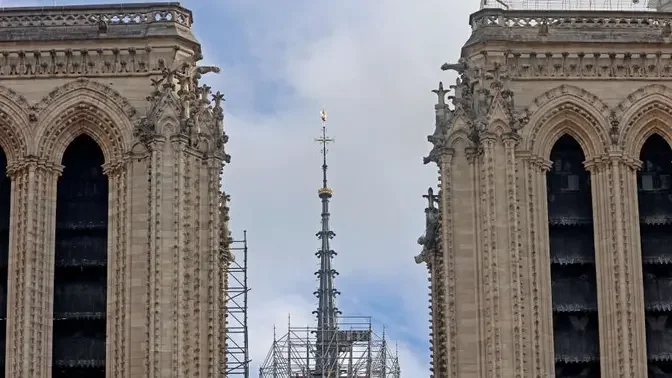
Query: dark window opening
573,278
655,217
80,274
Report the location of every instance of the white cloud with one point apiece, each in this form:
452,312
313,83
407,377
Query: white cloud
372,65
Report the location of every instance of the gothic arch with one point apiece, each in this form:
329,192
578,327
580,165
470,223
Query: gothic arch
567,119
498,127
567,110
14,125
165,111
646,111
84,107
457,137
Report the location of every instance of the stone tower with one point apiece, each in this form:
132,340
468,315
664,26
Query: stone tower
548,243
112,225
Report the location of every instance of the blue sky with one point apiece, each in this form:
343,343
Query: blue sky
372,65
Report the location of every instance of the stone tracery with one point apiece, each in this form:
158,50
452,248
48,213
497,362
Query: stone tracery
76,108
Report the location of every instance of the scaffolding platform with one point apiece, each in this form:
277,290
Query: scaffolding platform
361,352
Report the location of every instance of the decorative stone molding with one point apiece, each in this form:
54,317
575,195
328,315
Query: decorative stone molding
64,63
218,273
618,261
84,85
133,14
536,254
118,261
443,280
76,108
520,330
14,129
529,19
482,100
200,118
28,342
567,110
642,113
569,28
489,260
587,64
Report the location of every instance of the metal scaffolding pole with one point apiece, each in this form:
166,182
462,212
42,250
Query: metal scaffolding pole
237,340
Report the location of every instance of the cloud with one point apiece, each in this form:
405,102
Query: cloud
372,65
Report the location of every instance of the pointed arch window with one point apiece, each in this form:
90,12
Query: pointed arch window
572,253
80,273
654,197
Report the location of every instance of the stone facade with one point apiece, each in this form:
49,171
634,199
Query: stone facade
128,77
603,78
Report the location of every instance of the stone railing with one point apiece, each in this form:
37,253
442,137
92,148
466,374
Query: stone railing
619,5
569,19
79,15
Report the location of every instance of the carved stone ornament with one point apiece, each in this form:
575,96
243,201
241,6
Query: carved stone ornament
429,241
201,115
225,254
473,97
614,128
145,131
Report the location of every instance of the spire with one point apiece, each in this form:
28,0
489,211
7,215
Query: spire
327,357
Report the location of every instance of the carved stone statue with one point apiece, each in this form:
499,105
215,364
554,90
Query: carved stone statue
145,130
429,240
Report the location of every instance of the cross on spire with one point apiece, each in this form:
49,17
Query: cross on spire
324,139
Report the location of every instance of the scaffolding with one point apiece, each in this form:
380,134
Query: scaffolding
620,5
237,342
338,346
361,353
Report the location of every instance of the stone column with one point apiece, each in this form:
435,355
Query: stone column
146,186
216,260
180,257
443,292
535,243
192,258
31,267
488,262
619,267
155,224
118,274
511,208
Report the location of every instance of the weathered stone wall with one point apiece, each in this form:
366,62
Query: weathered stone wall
526,79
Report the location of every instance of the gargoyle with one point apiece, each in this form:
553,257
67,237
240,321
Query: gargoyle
194,74
460,67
